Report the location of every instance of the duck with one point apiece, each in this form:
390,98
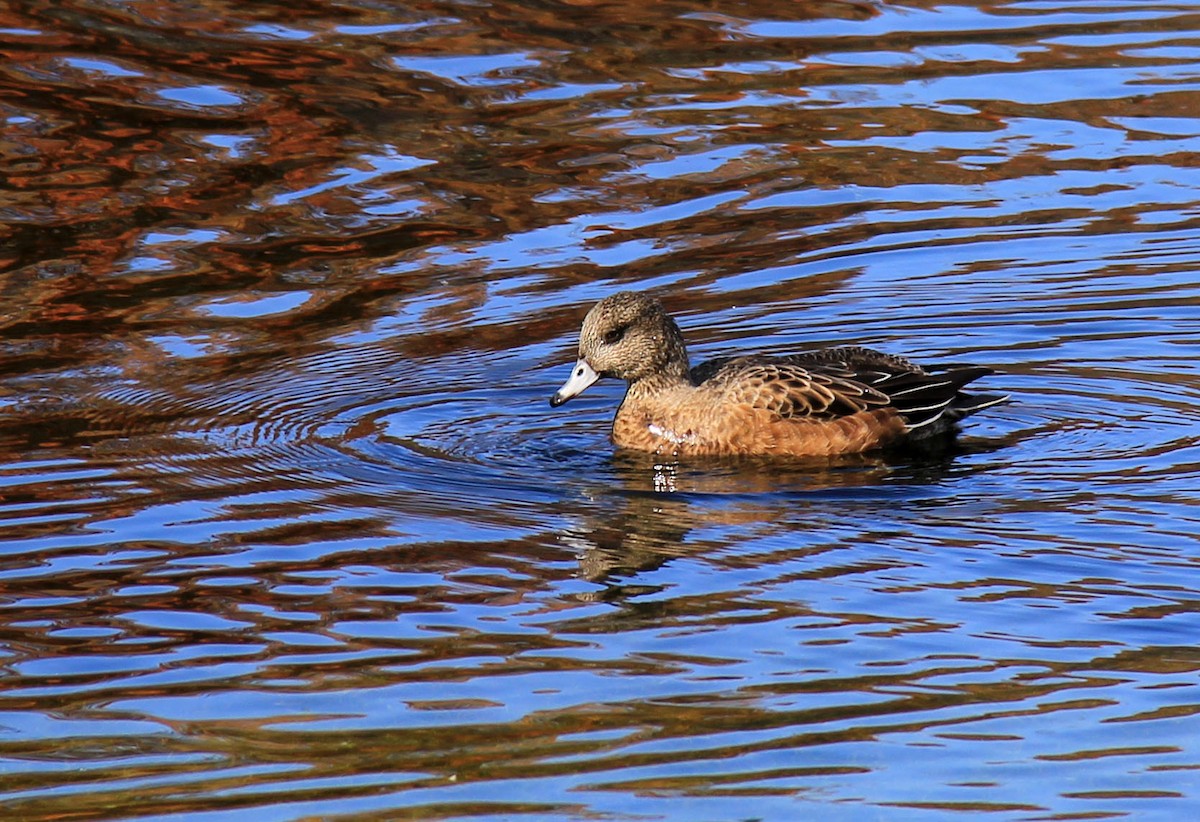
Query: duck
823,403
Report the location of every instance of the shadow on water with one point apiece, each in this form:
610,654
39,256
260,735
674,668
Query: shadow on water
288,531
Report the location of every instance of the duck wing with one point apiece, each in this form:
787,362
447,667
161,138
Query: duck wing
790,389
837,382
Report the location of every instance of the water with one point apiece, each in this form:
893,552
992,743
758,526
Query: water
290,532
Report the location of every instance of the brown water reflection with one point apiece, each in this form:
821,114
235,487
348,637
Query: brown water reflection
286,529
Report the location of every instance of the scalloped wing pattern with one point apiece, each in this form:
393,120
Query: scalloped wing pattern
837,383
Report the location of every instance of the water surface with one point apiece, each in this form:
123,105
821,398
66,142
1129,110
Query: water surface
290,532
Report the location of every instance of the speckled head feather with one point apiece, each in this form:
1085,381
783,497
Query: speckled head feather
629,336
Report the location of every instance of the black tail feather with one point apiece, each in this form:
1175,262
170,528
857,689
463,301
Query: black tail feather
931,403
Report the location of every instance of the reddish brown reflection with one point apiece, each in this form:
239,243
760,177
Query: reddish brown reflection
288,528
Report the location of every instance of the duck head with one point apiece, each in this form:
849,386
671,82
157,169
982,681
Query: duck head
629,336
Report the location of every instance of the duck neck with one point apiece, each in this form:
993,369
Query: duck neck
674,376
666,368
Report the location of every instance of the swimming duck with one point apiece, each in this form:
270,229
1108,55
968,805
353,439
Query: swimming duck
841,400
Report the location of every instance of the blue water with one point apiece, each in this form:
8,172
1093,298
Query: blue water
289,531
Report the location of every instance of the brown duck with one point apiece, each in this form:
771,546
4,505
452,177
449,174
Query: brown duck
833,401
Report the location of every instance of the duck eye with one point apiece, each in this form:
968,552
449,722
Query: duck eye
616,335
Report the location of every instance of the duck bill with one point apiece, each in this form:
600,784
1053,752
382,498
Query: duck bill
583,376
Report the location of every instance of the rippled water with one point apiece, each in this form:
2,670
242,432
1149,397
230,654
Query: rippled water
290,532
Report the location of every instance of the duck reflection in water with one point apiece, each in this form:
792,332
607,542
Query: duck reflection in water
659,506
843,400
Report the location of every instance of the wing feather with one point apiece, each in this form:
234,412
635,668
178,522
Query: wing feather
791,390
838,382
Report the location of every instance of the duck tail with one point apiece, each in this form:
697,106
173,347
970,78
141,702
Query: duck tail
931,403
